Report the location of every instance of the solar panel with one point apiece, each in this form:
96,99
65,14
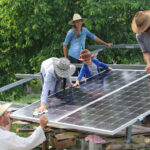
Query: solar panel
115,112
105,103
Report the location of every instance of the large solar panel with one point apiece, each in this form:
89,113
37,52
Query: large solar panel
105,103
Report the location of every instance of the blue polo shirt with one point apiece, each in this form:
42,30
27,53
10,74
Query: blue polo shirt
77,44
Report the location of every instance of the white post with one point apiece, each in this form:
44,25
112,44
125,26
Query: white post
95,146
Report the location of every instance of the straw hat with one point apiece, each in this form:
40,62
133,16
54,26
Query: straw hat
85,55
75,18
63,68
4,107
141,21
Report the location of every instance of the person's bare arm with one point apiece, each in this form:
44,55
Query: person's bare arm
104,43
76,84
43,121
147,60
8,127
65,51
41,108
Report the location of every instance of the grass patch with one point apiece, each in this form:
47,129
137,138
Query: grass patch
28,99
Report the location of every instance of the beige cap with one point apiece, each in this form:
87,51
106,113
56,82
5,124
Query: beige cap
4,107
75,18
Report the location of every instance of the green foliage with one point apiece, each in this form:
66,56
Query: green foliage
111,21
33,30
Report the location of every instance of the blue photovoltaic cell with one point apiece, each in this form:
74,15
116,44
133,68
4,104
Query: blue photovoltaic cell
108,113
116,110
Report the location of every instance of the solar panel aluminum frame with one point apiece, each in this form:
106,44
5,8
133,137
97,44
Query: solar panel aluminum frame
83,128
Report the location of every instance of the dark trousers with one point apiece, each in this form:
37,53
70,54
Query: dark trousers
75,61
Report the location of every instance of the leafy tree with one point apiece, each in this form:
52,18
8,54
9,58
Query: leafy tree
33,30
111,21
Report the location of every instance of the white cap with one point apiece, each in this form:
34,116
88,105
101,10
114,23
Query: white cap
4,107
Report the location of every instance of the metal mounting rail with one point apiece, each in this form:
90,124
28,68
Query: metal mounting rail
9,86
98,48
114,46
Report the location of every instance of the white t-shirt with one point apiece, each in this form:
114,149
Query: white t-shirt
46,64
11,141
51,81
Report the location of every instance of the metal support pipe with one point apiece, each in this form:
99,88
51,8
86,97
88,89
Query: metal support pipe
130,46
83,144
128,134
